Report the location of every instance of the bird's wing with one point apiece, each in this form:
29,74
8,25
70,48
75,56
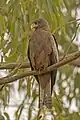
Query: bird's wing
53,59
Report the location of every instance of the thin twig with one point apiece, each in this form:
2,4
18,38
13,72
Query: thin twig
12,65
70,22
68,47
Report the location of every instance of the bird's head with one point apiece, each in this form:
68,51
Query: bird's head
40,23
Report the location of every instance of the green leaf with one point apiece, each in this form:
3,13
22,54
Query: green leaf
7,115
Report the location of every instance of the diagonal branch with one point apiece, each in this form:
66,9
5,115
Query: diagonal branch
66,60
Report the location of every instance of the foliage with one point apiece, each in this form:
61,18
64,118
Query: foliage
15,20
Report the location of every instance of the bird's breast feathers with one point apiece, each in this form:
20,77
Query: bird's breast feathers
41,48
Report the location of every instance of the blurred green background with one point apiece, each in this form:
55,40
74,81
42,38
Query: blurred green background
20,98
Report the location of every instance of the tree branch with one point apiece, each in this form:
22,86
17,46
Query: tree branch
5,65
66,60
13,65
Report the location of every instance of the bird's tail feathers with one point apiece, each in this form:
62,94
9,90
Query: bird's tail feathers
47,96
45,91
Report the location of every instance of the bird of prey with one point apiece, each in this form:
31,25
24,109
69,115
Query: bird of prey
43,52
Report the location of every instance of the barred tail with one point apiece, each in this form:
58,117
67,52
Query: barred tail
47,96
45,91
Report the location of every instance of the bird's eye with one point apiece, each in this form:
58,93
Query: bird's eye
35,22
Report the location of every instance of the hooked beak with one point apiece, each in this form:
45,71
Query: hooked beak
33,26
